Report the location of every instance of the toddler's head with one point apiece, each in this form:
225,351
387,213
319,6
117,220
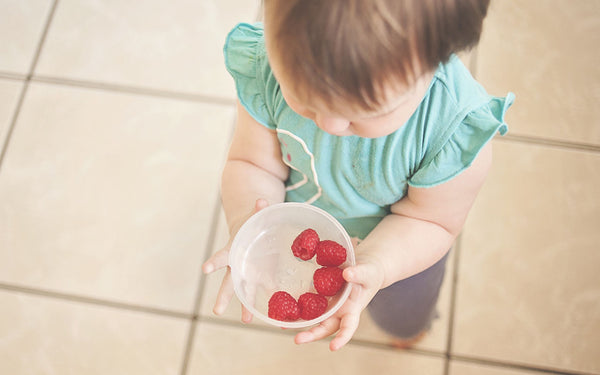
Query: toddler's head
358,60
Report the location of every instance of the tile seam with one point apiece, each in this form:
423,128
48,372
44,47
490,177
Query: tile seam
135,90
12,124
290,333
515,366
13,76
26,80
197,317
61,296
556,143
422,352
452,308
40,46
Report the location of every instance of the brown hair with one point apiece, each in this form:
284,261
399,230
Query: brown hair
350,49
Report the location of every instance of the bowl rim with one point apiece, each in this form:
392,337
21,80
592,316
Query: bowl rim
300,323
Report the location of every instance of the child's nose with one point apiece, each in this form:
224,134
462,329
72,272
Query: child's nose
332,125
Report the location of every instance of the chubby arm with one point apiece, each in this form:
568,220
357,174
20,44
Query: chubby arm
253,177
418,232
253,170
424,224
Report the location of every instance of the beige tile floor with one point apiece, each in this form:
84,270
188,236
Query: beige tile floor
114,123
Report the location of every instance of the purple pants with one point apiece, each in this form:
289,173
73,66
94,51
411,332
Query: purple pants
407,307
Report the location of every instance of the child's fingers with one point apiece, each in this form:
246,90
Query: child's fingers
250,297
348,326
304,337
358,274
220,259
225,294
367,274
326,328
260,204
246,315
217,261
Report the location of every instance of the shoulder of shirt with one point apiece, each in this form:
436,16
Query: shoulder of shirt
458,81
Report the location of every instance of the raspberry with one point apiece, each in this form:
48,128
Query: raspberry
305,245
330,253
328,280
282,306
312,305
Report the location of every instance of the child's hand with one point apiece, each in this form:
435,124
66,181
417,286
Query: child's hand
366,278
219,260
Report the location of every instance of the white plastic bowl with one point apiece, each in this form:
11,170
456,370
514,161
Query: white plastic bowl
262,262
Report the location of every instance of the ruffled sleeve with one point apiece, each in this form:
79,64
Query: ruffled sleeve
246,61
475,130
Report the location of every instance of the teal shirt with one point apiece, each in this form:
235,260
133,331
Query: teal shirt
357,179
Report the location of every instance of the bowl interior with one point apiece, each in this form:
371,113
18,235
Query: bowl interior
262,262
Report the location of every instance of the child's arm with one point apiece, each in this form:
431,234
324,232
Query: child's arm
254,168
419,231
426,222
252,178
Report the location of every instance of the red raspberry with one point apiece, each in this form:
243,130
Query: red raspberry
282,306
312,305
305,245
328,280
330,253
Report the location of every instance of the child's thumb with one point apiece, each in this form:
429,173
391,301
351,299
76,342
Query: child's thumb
364,274
260,204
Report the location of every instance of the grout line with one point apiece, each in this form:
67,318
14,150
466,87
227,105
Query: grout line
473,65
195,316
259,328
452,310
113,87
422,352
382,346
13,121
515,366
572,146
27,78
188,346
93,301
200,289
13,76
450,357
107,86
292,332
210,244
40,46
